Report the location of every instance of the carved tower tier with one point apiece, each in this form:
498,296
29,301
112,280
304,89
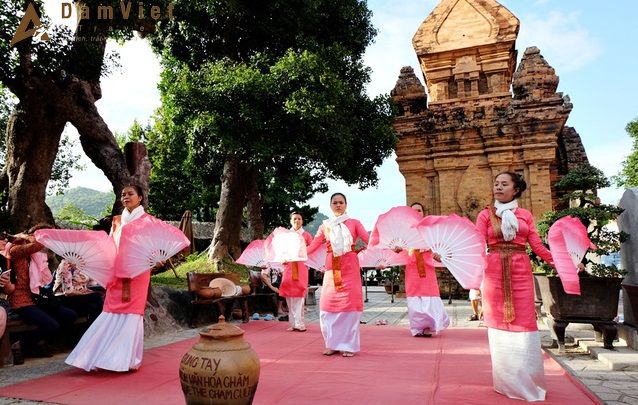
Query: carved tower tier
473,127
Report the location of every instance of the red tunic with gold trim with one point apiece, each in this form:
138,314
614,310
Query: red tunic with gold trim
348,296
495,291
421,284
291,287
127,295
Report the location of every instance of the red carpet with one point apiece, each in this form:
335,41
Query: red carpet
393,367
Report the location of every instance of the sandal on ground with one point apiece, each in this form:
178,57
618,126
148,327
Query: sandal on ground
299,329
347,354
474,317
329,352
268,317
256,316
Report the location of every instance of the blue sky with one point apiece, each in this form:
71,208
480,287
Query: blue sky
592,47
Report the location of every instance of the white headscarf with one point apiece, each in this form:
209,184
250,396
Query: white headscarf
127,217
509,222
338,234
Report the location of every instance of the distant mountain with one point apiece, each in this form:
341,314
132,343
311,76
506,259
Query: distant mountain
313,225
92,202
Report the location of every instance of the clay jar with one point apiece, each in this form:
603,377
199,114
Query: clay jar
245,290
221,368
208,293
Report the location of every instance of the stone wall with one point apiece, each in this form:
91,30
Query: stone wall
473,126
628,222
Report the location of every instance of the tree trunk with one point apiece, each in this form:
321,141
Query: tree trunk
255,221
97,140
33,136
231,205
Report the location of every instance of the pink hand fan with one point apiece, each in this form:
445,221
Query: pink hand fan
255,256
460,245
284,245
568,243
396,229
144,243
92,252
382,258
317,259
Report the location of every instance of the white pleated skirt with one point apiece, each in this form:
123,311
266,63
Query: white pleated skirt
517,364
295,312
113,342
340,330
427,313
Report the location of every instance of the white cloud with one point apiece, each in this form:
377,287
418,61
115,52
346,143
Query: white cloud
366,205
132,92
127,94
563,41
396,23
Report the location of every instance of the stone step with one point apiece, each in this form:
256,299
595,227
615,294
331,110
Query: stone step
623,358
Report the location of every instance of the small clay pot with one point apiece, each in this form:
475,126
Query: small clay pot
208,293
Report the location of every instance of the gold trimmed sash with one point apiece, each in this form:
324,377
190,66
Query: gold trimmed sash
126,290
336,272
505,251
420,264
294,266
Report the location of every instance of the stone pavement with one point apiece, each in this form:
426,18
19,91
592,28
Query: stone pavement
613,376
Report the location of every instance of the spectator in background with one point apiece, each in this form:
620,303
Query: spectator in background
72,287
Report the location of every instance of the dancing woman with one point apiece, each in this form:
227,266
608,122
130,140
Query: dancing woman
294,283
341,302
115,340
426,312
508,292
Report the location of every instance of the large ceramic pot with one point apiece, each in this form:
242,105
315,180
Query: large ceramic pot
221,368
597,305
598,299
631,292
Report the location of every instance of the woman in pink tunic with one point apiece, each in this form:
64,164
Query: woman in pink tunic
426,312
294,283
508,292
341,302
115,340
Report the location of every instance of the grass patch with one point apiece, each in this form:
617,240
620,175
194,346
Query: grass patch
198,263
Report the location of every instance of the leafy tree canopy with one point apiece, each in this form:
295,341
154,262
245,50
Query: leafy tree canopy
279,85
628,176
583,181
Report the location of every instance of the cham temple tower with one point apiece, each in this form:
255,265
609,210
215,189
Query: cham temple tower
481,114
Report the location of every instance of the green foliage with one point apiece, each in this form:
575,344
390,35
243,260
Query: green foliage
584,178
595,216
92,202
7,104
279,85
601,270
197,263
75,215
393,274
66,161
628,176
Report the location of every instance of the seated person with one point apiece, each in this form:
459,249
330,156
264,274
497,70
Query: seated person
51,320
271,280
475,299
72,287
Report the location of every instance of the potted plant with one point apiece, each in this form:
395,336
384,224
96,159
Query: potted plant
392,278
600,283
